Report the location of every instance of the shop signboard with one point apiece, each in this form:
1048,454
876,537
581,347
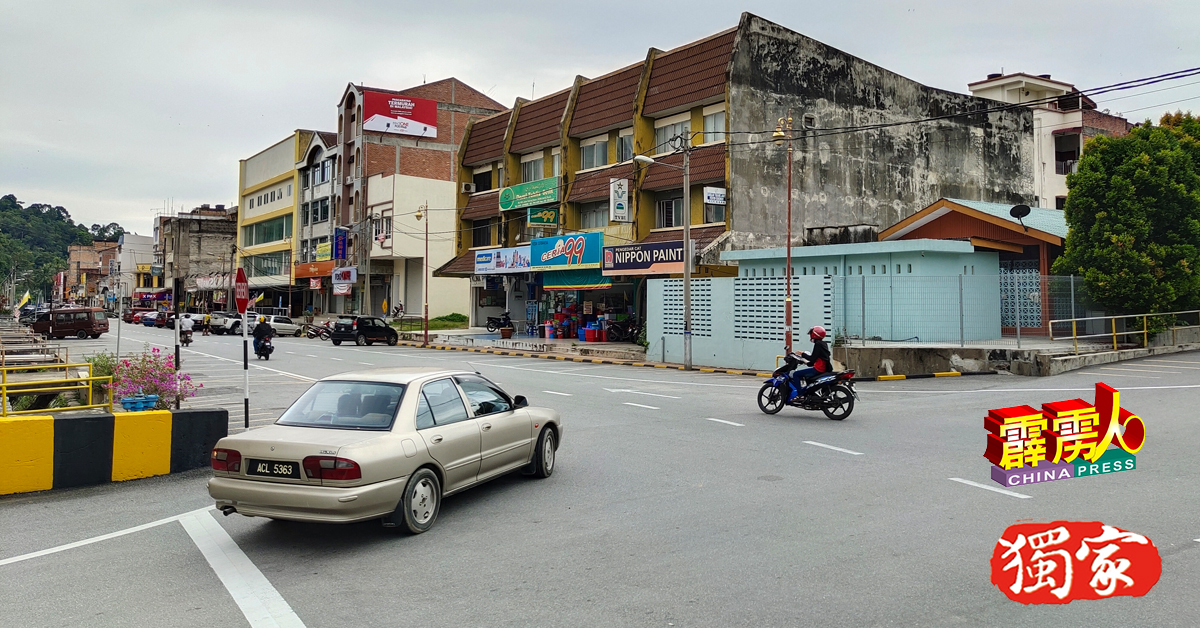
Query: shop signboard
714,196
314,283
344,276
402,115
314,269
542,216
342,288
650,258
502,261
529,194
324,251
339,243
618,200
143,268
577,251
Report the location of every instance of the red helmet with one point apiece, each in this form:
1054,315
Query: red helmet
816,333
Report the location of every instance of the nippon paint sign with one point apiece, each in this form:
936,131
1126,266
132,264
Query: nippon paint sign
400,115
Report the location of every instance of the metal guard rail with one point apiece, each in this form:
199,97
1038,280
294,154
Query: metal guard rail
64,384
1144,331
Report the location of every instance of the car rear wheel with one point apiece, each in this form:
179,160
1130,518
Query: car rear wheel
543,456
337,343
421,502
81,334
360,339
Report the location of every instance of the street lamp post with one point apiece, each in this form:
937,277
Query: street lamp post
784,131
686,142
425,282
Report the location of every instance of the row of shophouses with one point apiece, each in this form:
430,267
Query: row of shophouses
541,208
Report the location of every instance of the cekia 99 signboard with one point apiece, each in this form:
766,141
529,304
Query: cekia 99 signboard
401,115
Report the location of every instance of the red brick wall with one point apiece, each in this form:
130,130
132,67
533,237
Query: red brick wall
1100,123
426,163
463,94
380,159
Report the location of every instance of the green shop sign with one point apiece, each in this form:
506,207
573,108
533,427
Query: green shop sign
543,216
529,194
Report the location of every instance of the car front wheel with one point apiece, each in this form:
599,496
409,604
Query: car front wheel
421,502
297,334
543,457
81,334
393,339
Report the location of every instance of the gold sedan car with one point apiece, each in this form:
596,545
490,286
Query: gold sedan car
384,443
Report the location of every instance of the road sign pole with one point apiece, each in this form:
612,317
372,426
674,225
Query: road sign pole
241,295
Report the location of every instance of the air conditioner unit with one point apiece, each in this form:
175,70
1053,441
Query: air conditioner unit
349,180
468,188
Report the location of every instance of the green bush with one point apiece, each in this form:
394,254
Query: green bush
452,318
104,364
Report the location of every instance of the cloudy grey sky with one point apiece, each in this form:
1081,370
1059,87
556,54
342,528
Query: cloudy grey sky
111,108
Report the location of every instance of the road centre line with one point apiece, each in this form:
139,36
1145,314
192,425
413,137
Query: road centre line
102,537
257,366
551,392
853,453
259,601
991,488
1174,365
726,422
638,405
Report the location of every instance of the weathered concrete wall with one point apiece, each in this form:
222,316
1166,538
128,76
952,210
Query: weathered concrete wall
848,186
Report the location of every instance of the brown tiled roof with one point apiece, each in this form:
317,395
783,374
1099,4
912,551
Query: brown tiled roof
689,74
482,205
593,184
606,102
461,266
486,142
707,165
327,138
702,235
538,121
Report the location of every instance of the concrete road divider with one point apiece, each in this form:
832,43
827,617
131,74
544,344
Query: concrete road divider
81,448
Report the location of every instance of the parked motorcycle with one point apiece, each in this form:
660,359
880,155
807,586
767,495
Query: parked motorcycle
831,393
319,331
185,337
499,322
264,349
624,331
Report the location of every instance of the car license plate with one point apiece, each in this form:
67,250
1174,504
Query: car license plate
271,468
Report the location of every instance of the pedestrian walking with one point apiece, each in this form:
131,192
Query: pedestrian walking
207,323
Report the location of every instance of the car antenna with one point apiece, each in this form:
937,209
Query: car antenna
474,368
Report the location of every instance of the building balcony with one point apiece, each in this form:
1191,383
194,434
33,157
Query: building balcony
1070,166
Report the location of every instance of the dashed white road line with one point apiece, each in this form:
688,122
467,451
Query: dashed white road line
309,355
726,422
367,363
853,453
638,405
338,359
1113,368
992,488
551,392
258,599
97,539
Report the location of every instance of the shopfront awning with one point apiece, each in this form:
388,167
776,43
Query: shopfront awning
589,279
461,266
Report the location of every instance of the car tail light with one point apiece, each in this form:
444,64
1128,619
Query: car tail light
354,324
226,460
330,468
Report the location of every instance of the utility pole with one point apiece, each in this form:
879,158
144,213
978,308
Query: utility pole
425,281
687,253
175,297
782,130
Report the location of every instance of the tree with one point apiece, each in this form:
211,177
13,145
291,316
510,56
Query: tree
1133,210
107,233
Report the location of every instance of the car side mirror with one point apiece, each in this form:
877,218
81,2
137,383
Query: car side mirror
520,401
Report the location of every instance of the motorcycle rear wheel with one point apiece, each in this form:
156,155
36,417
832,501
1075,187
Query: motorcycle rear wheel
492,326
770,399
839,404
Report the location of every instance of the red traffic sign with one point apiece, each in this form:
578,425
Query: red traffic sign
241,291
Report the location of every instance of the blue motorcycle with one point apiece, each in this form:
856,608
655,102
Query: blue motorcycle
831,393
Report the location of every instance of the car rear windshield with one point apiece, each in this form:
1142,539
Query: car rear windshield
345,320
346,405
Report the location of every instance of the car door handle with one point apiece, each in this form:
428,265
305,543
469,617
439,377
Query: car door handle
436,439
486,426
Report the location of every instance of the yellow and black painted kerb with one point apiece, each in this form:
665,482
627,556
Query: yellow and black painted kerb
81,448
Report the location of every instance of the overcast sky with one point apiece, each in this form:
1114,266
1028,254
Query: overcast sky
111,108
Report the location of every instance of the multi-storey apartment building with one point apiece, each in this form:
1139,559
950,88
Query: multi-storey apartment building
870,148
268,188
1063,121
194,248
316,233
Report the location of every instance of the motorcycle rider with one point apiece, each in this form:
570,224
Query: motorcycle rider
261,330
820,360
185,326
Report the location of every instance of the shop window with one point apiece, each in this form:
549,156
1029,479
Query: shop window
625,147
267,231
482,181
593,153
714,127
303,214
532,170
593,215
669,212
481,232
665,137
1060,202
714,213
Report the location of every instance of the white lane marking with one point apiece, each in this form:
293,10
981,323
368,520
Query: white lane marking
551,392
338,359
726,422
294,353
102,537
991,488
367,363
638,392
638,405
1178,362
853,453
260,602
1113,368
1128,375
309,355
640,380
217,357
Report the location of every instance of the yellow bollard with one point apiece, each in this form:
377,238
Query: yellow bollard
1145,334
1114,327
1075,335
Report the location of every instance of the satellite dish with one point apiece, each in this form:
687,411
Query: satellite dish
1019,212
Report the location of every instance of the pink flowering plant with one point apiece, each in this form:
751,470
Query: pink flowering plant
152,373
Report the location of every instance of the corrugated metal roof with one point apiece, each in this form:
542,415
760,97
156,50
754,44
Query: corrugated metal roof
538,122
689,74
486,142
606,102
858,248
1052,221
703,236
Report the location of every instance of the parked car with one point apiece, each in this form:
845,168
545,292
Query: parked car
81,322
132,315
385,443
148,318
284,326
363,330
223,322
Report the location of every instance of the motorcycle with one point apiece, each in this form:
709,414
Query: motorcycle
185,337
264,349
624,331
499,322
831,393
319,331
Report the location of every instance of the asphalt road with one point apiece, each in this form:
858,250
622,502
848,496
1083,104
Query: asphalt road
657,515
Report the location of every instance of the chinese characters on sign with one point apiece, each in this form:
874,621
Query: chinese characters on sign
1066,439
1056,563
